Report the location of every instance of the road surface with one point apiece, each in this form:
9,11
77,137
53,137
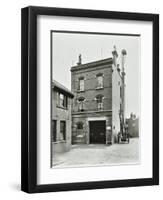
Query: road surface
89,155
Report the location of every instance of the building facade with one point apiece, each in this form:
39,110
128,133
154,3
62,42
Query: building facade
61,118
98,101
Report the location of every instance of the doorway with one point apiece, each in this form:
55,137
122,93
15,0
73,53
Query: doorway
54,131
97,130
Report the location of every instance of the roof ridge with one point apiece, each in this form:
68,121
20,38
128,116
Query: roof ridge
61,86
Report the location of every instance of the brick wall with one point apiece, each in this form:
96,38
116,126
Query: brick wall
89,72
90,85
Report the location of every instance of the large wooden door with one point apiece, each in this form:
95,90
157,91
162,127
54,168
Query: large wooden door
97,132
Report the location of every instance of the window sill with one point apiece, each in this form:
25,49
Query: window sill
81,110
59,141
80,136
99,88
64,108
80,91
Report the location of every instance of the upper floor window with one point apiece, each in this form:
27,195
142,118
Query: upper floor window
99,80
81,103
81,84
62,100
99,100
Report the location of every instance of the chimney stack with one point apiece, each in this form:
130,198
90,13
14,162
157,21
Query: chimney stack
79,60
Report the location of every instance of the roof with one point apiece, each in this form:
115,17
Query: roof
58,86
92,64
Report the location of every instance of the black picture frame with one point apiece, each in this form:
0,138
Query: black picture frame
29,98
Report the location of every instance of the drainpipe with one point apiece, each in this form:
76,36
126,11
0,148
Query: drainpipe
111,132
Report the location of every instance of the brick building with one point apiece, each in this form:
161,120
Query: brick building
98,89
61,118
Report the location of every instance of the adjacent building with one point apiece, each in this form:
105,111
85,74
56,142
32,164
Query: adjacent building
133,125
61,117
98,104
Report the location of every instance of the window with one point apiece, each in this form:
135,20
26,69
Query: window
62,130
80,125
81,84
81,103
99,99
80,132
54,130
62,100
100,80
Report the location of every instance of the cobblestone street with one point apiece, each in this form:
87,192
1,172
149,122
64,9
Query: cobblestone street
88,155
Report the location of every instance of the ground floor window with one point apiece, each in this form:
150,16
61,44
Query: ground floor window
62,130
80,125
54,130
79,131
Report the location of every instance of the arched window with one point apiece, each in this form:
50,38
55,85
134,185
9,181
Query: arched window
81,103
99,100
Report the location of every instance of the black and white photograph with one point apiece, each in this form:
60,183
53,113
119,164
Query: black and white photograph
90,99
95,99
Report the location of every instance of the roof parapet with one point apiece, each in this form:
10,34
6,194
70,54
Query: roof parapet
92,64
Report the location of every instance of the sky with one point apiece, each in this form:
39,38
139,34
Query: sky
66,48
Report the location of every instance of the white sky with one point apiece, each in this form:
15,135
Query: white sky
66,48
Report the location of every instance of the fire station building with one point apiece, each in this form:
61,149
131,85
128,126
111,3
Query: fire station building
98,100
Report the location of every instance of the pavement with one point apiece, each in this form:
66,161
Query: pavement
99,154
